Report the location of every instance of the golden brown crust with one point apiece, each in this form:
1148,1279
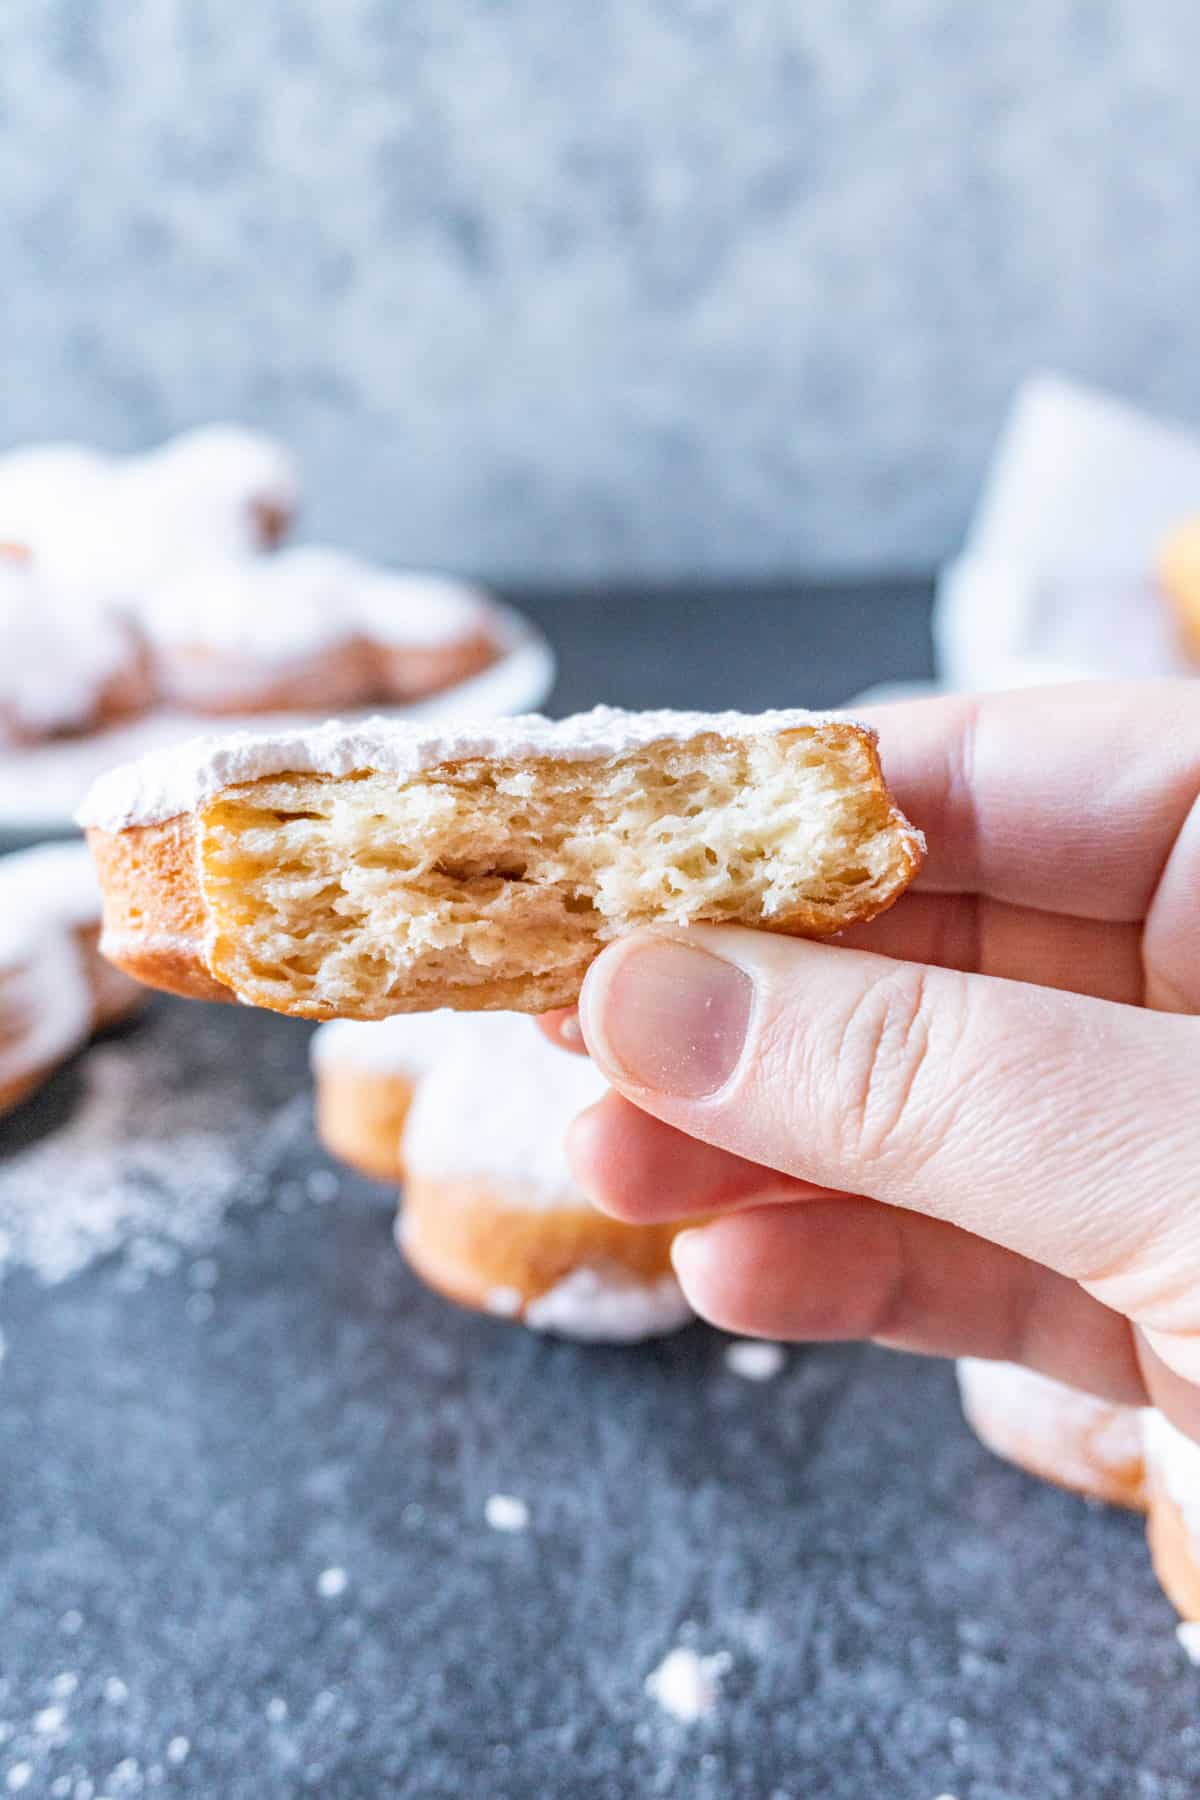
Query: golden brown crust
1173,1550
153,908
361,1115
466,1241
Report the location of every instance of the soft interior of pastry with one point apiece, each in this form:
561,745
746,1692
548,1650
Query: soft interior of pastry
368,894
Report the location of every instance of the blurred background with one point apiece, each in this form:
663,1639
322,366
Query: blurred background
639,290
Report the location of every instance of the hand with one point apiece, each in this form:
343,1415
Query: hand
972,1127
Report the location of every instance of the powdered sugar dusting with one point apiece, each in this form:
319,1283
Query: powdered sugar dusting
175,781
687,1685
755,1359
146,1166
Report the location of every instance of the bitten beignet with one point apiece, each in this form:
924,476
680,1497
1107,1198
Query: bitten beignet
359,872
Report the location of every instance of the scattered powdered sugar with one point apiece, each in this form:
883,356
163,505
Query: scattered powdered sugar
754,1359
146,1164
505,1512
1188,1635
688,1685
332,1583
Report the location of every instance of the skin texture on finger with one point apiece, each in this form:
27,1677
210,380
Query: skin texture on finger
1018,1114
852,1269
641,1170
1170,949
981,936
1063,799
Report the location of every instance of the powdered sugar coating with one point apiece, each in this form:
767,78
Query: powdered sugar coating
167,783
408,1044
43,486
498,1109
104,529
1174,1460
275,608
1073,1431
55,664
598,1306
270,608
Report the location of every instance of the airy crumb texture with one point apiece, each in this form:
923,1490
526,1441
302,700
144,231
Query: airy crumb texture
492,883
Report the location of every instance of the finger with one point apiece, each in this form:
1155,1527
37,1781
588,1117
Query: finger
1048,1123
987,937
1169,942
641,1170
846,1268
1067,800
562,1028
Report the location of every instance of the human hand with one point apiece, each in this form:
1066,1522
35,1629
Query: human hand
971,1127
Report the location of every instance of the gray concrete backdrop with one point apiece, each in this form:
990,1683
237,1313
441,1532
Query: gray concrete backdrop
618,287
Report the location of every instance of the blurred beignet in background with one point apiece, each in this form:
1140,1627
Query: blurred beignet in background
492,1216
106,529
1056,1432
312,629
55,886
366,1076
361,871
266,634
62,672
1173,1528
55,987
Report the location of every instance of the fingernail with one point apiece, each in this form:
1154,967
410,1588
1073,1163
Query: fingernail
669,1017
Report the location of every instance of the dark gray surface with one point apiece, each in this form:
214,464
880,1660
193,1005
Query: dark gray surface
906,1617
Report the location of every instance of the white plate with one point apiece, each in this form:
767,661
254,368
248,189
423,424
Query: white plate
40,788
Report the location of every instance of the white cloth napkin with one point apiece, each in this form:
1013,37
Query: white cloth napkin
1056,581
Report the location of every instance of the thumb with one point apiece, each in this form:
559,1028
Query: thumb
1059,1126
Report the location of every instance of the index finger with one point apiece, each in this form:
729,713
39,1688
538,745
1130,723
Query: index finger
1065,799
